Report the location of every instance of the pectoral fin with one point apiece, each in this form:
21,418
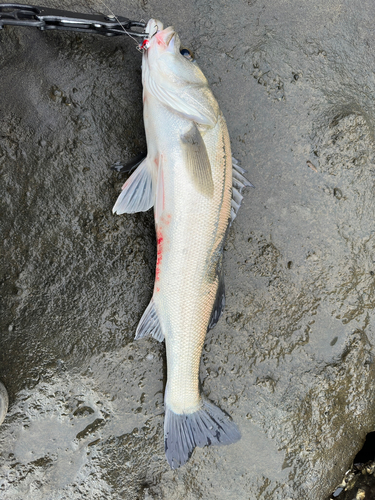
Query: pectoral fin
138,191
197,161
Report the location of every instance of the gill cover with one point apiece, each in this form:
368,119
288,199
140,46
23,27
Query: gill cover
174,80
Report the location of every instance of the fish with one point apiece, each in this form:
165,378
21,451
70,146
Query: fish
194,186
4,400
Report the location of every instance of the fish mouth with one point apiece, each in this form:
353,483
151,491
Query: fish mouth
170,38
155,33
168,34
165,38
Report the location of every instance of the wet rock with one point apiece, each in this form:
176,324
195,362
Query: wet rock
292,359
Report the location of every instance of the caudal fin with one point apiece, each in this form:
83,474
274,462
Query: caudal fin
207,426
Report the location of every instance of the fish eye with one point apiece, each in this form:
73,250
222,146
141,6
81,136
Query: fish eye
187,53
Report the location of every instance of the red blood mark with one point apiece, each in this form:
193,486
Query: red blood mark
166,219
159,38
159,257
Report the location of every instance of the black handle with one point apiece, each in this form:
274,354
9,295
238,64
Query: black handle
54,19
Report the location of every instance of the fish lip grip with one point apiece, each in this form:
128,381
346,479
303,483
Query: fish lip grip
45,18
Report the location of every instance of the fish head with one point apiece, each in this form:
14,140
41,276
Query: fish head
174,80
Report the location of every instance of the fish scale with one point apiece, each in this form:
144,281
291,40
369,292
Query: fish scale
186,297
187,178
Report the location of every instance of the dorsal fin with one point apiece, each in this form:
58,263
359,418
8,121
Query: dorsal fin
239,182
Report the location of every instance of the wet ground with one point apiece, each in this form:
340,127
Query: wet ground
292,358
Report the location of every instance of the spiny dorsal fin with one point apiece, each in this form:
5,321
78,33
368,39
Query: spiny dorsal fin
239,182
149,324
197,161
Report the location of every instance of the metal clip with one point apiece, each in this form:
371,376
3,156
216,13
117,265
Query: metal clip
53,19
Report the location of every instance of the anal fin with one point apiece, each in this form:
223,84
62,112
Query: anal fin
150,324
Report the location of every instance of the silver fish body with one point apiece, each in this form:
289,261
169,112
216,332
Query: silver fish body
3,402
187,177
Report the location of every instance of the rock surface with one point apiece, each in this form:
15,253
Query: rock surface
292,359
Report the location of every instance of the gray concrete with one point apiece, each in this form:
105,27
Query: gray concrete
292,359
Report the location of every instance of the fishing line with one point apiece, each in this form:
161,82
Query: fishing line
115,17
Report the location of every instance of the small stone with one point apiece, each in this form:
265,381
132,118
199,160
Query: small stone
337,193
361,494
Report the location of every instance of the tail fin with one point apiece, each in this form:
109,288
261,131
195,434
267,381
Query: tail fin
207,426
